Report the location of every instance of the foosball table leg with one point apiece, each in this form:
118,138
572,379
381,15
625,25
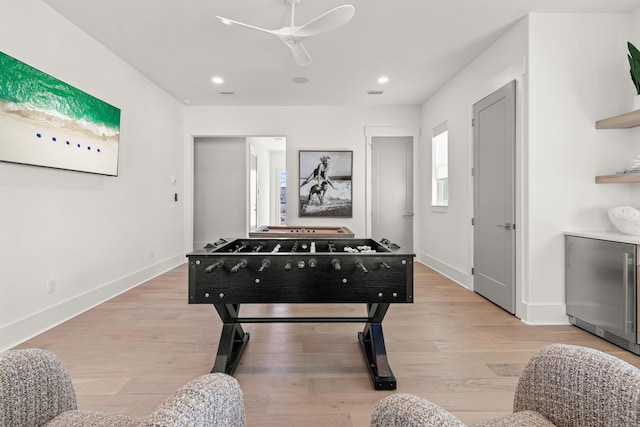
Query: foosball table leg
233,342
375,353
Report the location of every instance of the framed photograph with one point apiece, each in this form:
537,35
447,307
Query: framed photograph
46,122
325,184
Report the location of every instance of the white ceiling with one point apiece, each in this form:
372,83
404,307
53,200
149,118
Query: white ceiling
418,44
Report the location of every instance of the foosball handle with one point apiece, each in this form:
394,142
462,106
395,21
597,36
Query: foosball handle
239,265
265,264
217,264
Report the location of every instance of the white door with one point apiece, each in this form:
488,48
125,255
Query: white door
392,190
494,120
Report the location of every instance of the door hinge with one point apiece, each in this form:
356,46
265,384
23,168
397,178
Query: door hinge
473,172
472,221
472,271
473,122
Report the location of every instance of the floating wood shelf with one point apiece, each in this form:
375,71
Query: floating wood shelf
623,178
621,121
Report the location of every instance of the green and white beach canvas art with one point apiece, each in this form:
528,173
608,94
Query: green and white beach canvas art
46,122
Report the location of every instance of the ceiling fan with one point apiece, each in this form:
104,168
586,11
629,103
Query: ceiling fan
293,35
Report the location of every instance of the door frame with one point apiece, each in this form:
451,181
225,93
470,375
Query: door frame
393,131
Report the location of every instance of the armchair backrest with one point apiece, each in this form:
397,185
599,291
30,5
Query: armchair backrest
579,386
34,388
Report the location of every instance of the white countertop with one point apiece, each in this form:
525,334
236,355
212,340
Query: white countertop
613,236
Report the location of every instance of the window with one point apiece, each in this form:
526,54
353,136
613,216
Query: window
440,166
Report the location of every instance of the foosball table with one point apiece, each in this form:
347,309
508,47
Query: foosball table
231,272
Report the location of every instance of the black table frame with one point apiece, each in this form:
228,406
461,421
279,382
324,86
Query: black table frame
234,340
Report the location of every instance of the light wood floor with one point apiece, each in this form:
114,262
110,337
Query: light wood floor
451,346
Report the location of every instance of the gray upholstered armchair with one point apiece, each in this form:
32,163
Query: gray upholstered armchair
561,385
36,390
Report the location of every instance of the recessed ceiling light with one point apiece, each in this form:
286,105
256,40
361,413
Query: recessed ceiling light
383,79
300,80
217,80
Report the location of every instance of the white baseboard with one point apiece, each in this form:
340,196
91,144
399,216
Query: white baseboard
545,314
462,278
532,314
35,324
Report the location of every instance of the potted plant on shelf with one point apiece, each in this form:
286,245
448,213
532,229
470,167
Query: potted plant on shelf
634,64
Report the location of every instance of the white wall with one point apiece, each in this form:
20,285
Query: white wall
93,234
565,151
575,74
635,133
306,128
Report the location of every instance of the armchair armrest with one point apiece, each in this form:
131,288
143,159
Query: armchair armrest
403,410
213,400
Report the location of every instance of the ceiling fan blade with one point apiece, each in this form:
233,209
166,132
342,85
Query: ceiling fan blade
300,54
327,21
231,22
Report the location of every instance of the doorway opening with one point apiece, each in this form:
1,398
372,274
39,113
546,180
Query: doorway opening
236,185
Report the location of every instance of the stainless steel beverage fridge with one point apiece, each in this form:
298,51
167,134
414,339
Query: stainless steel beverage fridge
601,294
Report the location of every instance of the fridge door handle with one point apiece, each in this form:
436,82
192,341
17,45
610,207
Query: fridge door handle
625,284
